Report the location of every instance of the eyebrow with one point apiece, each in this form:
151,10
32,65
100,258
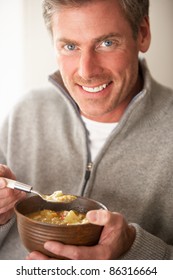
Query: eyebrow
106,36
96,40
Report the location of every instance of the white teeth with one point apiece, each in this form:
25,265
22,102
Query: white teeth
95,89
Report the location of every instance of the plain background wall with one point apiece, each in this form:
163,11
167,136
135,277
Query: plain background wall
160,54
28,58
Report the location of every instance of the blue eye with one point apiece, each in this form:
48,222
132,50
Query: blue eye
70,47
108,43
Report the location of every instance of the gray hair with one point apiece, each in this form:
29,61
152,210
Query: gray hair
134,10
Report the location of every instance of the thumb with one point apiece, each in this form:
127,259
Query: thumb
99,217
2,183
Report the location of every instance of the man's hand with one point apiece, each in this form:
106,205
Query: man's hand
8,197
116,239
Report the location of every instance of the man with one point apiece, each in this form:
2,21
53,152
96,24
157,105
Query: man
102,131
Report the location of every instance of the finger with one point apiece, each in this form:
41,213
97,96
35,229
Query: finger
7,204
36,256
4,218
97,252
6,172
8,193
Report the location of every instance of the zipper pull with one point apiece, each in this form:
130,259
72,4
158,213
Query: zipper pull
87,175
88,171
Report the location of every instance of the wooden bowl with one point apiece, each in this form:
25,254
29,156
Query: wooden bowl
34,234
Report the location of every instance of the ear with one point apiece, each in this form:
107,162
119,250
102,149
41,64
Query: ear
144,35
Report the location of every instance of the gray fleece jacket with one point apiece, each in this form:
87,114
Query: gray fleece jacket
44,142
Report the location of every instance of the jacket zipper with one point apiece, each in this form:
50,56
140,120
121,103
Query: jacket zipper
87,175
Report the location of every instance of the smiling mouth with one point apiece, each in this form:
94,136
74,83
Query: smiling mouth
95,89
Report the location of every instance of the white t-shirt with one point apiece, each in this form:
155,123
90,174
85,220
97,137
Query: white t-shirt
97,134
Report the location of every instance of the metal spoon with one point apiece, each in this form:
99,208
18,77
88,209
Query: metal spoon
29,189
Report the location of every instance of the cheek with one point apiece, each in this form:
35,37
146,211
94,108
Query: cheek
123,64
67,65
115,62
67,70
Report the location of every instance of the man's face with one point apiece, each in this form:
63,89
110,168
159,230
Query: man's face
97,57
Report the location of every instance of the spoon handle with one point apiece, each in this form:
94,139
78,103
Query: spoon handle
17,185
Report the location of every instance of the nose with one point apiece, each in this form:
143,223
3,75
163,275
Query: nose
89,65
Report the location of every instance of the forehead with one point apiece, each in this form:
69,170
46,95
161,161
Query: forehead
90,20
